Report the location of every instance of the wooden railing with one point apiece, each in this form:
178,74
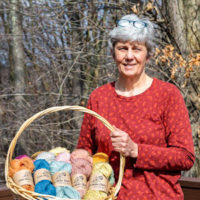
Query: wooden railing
190,186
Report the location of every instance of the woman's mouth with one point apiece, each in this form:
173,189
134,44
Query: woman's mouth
129,65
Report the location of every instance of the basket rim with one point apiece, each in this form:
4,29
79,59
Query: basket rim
29,194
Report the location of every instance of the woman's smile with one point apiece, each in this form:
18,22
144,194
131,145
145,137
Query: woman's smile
129,65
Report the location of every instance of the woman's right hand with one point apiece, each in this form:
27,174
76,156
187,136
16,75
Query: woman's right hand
123,144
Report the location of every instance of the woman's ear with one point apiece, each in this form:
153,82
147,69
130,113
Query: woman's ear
148,58
112,52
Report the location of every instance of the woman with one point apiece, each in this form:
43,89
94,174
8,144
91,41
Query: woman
152,127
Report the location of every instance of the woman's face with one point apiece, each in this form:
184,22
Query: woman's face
130,58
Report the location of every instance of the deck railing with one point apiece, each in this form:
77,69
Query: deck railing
190,186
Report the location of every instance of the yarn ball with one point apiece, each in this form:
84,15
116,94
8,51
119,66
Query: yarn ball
56,166
19,164
84,167
81,161
58,150
43,186
106,170
24,163
33,156
22,156
93,194
63,156
81,166
103,168
81,153
67,192
100,157
112,178
64,191
41,164
48,156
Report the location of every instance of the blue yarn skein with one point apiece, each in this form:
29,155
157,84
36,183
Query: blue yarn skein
64,191
56,166
44,186
112,178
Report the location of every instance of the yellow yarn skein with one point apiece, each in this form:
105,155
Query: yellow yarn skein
58,150
103,168
93,194
100,166
100,157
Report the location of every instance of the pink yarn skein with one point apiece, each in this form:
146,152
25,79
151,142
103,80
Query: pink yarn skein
63,156
81,164
22,156
81,153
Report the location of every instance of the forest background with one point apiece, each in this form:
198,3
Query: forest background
55,52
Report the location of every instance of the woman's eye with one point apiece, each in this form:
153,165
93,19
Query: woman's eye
122,48
137,49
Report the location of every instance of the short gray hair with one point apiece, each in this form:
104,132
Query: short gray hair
133,34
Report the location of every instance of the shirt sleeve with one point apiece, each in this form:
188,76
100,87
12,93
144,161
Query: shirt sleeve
179,153
87,133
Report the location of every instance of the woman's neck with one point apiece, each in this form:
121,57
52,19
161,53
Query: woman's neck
131,87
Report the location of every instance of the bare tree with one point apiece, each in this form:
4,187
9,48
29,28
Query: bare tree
183,19
56,53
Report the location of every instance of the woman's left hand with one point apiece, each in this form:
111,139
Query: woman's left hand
123,144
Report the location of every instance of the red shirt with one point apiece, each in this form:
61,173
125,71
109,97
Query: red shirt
157,120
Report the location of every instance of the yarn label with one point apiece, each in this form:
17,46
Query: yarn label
23,177
61,178
42,174
79,182
98,182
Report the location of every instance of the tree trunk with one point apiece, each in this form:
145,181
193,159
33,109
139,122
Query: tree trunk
183,17
17,50
17,53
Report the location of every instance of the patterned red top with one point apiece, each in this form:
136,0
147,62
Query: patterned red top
157,120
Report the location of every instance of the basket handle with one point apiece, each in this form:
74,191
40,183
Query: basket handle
55,109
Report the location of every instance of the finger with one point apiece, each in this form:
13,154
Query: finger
120,139
119,144
118,134
116,139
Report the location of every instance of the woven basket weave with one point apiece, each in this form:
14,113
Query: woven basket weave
25,194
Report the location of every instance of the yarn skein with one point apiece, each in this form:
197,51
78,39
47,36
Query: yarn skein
58,150
21,156
81,166
102,157
42,178
63,156
22,167
81,169
102,170
81,153
48,156
61,179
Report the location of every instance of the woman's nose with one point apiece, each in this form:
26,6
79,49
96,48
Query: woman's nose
129,54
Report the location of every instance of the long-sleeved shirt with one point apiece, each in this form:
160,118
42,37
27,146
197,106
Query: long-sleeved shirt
157,120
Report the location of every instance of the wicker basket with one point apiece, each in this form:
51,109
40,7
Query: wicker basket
19,191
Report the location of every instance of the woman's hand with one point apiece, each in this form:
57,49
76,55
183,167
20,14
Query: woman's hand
122,143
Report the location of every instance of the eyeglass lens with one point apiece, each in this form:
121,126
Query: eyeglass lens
137,24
